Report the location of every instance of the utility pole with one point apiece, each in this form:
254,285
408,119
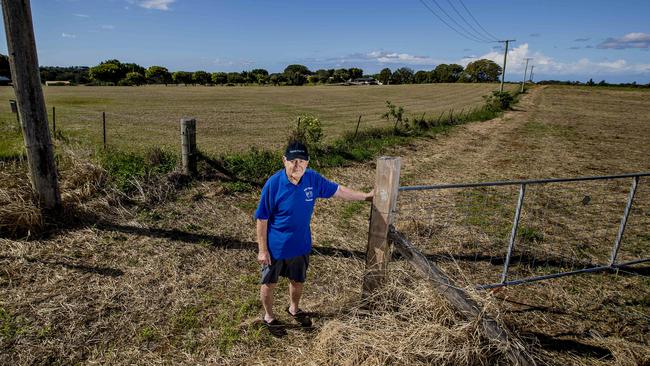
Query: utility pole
505,57
523,82
531,73
23,60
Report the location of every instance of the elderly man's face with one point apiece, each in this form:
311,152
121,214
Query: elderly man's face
295,168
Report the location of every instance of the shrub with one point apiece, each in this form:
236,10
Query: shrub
396,113
499,101
309,130
252,166
125,167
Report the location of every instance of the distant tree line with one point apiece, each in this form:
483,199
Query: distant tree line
591,82
114,72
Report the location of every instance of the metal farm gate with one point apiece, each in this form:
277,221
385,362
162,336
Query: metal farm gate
494,234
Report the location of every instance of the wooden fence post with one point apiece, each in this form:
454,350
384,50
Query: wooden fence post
381,217
357,129
23,60
188,145
104,129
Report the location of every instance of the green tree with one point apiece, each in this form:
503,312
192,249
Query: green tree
355,73
110,71
234,78
385,76
301,69
313,79
133,78
158,75
421,77
482,71
445,73
277,78
296,74
219,78
260,76
201,77
341,75
182,77
131,67
403,75
323,75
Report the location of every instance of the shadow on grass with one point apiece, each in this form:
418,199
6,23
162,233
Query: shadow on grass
558,343
103,271
218,241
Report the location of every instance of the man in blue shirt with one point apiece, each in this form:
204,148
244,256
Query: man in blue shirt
283,226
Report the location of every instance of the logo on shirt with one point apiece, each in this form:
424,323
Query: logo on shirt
309,194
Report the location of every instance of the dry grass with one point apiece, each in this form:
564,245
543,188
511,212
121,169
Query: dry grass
143,117
176,282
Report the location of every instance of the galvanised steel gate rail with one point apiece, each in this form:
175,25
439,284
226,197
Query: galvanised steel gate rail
513,234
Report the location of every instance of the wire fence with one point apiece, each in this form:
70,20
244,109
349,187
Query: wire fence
504,233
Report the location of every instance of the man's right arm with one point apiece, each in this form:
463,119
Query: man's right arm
263,255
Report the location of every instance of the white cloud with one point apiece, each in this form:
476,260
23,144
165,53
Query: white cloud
233,63
155,4
630,40
81,15
108,27
68,35
547,65
388,57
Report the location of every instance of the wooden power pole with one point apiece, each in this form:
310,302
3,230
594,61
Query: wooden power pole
505,57
31,104
523,82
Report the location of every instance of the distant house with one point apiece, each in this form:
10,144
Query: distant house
365,81
57,83
4,81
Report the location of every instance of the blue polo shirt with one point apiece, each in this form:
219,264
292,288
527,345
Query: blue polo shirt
288,208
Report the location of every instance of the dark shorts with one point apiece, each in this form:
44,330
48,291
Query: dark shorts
294,269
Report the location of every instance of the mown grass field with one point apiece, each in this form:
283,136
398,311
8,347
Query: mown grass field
229,119
176,282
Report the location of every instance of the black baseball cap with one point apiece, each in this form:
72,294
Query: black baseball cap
296,150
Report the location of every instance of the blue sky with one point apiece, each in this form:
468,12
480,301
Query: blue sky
574,40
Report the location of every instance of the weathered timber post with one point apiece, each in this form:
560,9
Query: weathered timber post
381,217
23,60
460,299
188,145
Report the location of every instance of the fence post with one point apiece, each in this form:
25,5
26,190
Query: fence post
188,145
23,62
104,128
381,217
14,109
54,120
357,129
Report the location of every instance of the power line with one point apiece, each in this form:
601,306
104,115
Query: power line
458,24
476,21
468,23
448,25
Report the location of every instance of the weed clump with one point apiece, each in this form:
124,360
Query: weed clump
128,169
499,101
